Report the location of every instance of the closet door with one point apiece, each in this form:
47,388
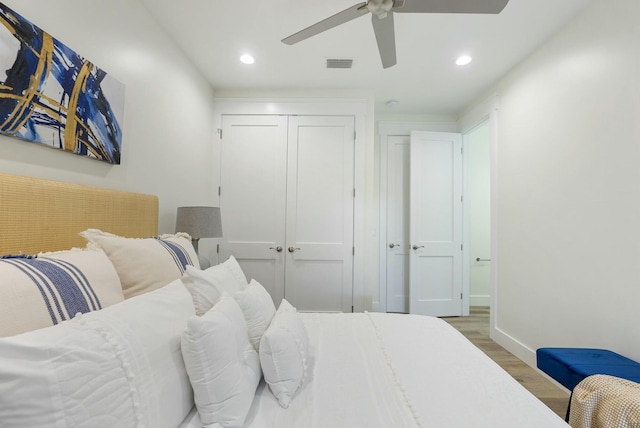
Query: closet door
435,227
319,226
252,197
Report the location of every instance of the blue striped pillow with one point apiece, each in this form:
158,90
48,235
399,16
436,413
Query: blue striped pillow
145,264
40,291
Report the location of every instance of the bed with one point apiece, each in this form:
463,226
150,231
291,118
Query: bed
389,370
354,370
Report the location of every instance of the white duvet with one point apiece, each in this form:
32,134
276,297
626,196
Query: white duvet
387,370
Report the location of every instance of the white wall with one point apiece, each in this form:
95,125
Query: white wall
568,204
167,130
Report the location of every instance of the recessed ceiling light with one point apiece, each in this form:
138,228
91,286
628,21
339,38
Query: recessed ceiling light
463,60
247,59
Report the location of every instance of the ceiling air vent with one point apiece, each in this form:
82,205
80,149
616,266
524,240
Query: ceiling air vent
339,63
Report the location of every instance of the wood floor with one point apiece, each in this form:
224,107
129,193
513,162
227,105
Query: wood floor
476,328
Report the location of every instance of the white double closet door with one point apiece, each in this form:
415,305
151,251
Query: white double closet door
286,199
424,224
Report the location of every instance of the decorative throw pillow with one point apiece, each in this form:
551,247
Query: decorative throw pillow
223,367
284,352
258,309
207,285
118,367
145,264
44,290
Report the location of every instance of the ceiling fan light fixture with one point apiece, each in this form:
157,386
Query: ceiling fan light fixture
247,59
463,60
380,8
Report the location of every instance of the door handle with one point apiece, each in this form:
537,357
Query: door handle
415,247
393,245
278,248
292,249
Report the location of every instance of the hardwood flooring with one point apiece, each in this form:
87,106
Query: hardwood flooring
476,328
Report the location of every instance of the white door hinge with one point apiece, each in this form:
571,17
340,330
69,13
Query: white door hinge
219,132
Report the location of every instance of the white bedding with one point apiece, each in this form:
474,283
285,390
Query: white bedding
387,370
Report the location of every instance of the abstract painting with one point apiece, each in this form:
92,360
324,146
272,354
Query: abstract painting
51,95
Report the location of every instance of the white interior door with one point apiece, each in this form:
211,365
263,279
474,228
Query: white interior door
319,231
436,224
398,223
252,198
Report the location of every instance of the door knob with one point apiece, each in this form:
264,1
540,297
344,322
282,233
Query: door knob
278,248
393,245
292,249
415,247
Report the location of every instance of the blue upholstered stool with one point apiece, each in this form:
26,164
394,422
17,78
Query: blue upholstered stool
569,366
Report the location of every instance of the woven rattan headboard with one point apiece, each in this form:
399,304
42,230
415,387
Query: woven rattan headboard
43,215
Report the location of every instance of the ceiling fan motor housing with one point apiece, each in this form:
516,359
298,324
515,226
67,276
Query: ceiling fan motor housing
380,7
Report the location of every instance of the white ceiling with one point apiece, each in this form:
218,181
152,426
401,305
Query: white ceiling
214,33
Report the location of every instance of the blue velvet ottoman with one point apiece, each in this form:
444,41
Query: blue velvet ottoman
569,366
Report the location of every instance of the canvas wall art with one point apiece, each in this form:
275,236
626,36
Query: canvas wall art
51,95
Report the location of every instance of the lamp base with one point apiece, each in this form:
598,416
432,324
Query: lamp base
204,262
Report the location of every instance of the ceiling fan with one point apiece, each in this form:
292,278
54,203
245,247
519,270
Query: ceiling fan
382,19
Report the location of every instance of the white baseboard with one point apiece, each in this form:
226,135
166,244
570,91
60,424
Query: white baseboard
523,352
479,300
514,346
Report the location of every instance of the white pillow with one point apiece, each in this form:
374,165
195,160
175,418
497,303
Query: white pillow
203,293
258,309
145,264
206,286
118,367
42,291
223,366
284,351
232,264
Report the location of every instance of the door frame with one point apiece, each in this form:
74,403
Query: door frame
486,111
483,111
363,156
386,130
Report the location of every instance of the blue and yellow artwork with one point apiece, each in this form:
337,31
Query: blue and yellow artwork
51,95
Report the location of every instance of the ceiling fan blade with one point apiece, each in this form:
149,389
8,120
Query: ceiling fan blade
326,24
385,36
450,6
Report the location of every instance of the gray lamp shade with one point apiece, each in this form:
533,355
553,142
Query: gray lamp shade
199,222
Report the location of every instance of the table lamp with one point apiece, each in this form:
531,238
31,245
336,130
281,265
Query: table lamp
199,222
